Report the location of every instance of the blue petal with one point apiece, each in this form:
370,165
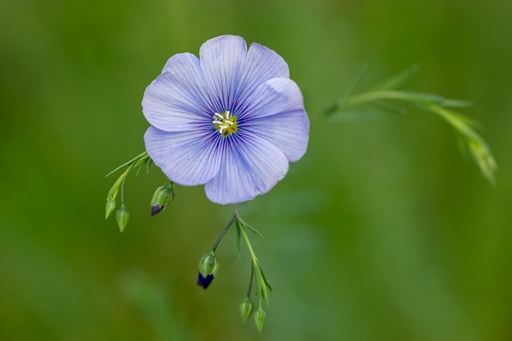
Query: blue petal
275,112
177,100
187,158
204,282
232,72
251,166
261,65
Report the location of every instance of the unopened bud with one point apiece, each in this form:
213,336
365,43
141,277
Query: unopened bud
246,307
162,197
259,318
208,265
122,217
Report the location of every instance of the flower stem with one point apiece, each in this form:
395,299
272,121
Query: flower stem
250,282
224,232
249,245
125,175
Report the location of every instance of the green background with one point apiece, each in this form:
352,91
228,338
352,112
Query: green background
383,231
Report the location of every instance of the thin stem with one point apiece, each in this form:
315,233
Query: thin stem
250,282
125,175
249,246
224,232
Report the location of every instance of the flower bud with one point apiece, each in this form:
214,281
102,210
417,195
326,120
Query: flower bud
259,318
162,197
122,217
110,207
208,265
246,307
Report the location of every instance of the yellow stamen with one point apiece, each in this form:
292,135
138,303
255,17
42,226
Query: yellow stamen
225,123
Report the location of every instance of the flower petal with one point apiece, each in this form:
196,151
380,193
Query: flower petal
187,158
275,112
250,166
233,72
177,100
221,59
260,65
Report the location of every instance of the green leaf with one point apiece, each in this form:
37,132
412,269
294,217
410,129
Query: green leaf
148,165
471,140
391,108
112,194
141,163
261,284
141,155
244,224
265,279
109,208
398,79
258,278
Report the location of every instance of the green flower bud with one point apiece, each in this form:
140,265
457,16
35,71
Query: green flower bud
162,197
208,264
111,206
259,318
122,217
246,307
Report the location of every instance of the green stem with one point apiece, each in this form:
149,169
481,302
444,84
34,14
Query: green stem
125,175
250,282
249,246
224,232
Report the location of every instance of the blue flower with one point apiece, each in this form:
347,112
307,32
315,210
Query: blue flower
231,119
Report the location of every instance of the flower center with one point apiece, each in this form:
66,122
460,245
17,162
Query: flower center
225,123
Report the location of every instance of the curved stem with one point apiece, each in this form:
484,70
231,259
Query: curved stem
224,232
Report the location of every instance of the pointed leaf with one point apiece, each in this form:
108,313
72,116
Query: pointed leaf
258,278
141,155
244,224
398,79
265,279
112,194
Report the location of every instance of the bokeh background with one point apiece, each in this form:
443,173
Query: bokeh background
383,231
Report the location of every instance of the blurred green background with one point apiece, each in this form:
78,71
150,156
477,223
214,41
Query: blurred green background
383,231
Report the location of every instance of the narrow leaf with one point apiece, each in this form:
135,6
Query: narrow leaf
112,194
258,278
265,279
141,155
244,224
398,79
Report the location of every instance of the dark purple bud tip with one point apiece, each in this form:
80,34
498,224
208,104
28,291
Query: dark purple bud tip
155,209
204,281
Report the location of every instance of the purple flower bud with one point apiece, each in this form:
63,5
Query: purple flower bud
162,197
204,281
155,209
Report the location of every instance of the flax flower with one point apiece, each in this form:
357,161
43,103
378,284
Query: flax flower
231,119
